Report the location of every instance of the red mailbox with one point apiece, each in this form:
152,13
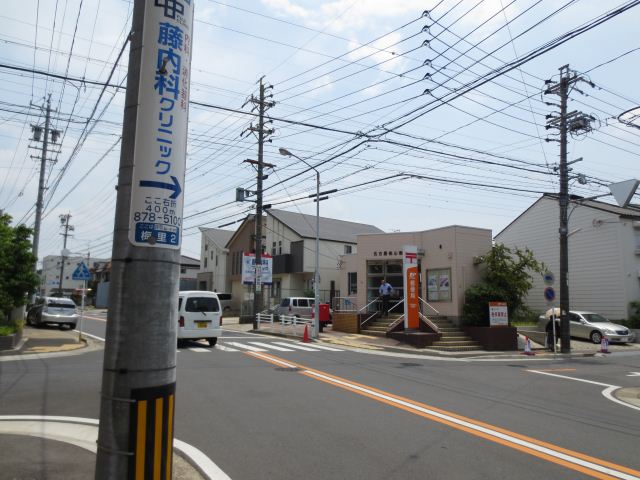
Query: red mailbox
324,313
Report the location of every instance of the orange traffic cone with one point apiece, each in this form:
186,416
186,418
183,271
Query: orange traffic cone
527,347
305,336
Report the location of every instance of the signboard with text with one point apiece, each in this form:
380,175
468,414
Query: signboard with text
249,269
411,287
498,314
155,215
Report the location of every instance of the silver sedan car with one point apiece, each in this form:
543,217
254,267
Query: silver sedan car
61,311
588,325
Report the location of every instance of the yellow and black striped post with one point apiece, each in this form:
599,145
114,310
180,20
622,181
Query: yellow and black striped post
152,433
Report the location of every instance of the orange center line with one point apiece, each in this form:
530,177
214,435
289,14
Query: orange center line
577,461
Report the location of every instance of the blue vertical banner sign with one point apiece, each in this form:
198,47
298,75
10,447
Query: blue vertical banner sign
157,189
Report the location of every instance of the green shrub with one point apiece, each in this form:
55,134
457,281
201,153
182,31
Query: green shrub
634,318
7,330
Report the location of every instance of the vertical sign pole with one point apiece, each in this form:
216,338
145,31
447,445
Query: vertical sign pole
411,287
135,439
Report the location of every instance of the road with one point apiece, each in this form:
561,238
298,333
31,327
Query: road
261,407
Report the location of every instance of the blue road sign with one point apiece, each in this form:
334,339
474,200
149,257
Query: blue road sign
549,278
549,294
81,272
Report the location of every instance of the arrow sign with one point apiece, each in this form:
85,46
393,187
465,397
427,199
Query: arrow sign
81,272
175,186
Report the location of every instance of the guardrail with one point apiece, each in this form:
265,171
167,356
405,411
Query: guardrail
428,305
285,324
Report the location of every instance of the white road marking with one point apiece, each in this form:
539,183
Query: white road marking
324,347
199,350
458,421
95,318
633,374
299,347
607,392
272,346
247,347
226,349
83,432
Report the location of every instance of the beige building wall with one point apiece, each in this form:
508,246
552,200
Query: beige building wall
449,248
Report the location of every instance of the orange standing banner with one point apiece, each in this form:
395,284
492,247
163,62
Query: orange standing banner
411,287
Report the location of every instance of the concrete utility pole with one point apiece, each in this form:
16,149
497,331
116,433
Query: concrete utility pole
64,222
135,439
262,104
574,122
42,136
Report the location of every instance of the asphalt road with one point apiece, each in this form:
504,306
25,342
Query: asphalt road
260,407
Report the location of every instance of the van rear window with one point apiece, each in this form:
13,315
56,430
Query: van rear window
58,304
224,296
202,304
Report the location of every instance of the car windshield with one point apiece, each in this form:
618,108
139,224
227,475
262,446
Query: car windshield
202,304
594,318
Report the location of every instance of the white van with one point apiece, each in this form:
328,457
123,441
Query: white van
199,316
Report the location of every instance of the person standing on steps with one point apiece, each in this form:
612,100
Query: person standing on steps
385,293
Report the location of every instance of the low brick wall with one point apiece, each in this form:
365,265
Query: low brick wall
494,338
346,322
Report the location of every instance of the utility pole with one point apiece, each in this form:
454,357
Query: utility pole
575,123
39,137
262,105
64,222
138,395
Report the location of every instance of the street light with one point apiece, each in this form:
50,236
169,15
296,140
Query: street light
316,283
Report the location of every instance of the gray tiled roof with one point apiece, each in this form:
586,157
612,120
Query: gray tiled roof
219,236
330,228
184,260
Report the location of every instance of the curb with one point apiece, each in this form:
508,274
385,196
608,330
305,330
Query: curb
17,349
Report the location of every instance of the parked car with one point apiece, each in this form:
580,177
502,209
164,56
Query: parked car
58,310
587,325
225,301
199,316
302,307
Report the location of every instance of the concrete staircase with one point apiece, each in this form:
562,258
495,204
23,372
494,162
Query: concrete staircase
378,326
453,339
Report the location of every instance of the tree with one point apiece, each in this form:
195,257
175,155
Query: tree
507,278
17,266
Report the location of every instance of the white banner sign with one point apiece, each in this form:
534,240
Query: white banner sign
498,314
249,269
155,216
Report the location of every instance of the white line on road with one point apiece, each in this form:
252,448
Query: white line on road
482,430
272,346
83,432
607,392
299,347
90,335
247,347
226,349
199,350
324,347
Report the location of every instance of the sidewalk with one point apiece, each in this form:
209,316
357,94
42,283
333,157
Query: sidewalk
48,339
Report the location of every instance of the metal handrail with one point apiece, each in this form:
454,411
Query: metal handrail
395,322
368,304
429,305
399,303
426,320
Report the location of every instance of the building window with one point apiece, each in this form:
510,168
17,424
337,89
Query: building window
216,260
273,249
348,249
439,285
352,281
206,247
280,247
205,262
211,255
183,269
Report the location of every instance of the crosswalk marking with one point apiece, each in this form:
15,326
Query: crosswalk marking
272,346
226,349
247,347
262,347
299,347
323,347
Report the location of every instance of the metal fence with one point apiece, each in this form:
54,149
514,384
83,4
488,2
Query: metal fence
284,324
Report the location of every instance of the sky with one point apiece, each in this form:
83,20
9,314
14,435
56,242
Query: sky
400,109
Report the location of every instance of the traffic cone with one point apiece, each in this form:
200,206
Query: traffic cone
527,347
305,336
604,345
